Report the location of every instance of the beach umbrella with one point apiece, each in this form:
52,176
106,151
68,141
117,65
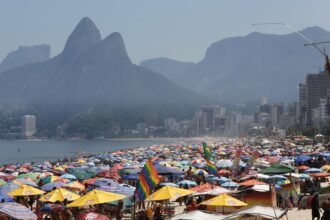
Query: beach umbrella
278,178
214,192
252,183
17,211
26,182
5,197
302,158
104,182
48,208
68,176
224,172
313,170
2,182
122,189
33,176
319,174
326,167
45,174
188,183
50,186
60,195
74,185
224,163
92,216
8,187
25,190
96,197
230,184
200,171
303,167
224,200
168,192
49,179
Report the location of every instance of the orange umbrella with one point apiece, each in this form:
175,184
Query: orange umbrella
252,183
224,172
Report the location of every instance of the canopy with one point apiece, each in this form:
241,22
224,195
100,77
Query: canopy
169,192
277,169
223,200
96,197
262,211
25,190
17,211
197,215
59,195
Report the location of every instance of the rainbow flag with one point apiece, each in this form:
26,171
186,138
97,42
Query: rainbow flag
207,151
212,169
148,179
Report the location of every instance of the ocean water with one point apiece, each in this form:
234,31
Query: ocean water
41,150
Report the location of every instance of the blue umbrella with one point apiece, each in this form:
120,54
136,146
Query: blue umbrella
230,184
17,211
8,187
224,164
314,170
302,158
5,197
50,186
105,182
189,183
68,176
120,189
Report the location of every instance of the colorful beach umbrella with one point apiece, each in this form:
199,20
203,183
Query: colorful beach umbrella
17,211
168,192
74,185
224,200
50,186
96,197
60,195
25,190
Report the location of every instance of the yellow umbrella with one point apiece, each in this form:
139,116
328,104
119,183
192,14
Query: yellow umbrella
168,192
224,200
96,197
325,167
25,190
60,195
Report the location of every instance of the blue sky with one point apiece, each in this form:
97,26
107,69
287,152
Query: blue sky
178,29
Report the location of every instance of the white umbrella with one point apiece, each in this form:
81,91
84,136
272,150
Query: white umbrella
197,215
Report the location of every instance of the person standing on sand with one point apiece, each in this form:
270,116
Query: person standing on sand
315,207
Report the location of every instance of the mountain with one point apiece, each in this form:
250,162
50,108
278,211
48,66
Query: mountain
92,71
25,55
171,69
241,69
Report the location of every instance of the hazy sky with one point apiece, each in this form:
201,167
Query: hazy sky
178,29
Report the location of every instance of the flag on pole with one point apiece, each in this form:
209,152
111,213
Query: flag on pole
211,168
148,179
207,151
235,167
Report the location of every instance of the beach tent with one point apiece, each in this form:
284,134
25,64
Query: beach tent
168,192
277,169
96,197
17,211
197,215
258,211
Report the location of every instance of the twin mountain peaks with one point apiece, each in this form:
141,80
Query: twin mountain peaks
91,70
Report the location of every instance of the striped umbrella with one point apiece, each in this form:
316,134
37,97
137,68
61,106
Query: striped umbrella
17,211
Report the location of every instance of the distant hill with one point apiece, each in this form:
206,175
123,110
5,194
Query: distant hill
241,69
25,55
171,69
93,71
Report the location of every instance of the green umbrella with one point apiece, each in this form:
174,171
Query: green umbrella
2,182
33,176
82,174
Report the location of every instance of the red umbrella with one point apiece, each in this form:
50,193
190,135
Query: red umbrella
92,216
224,172
303,167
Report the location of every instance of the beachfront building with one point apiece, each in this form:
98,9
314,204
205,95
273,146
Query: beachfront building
28,126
